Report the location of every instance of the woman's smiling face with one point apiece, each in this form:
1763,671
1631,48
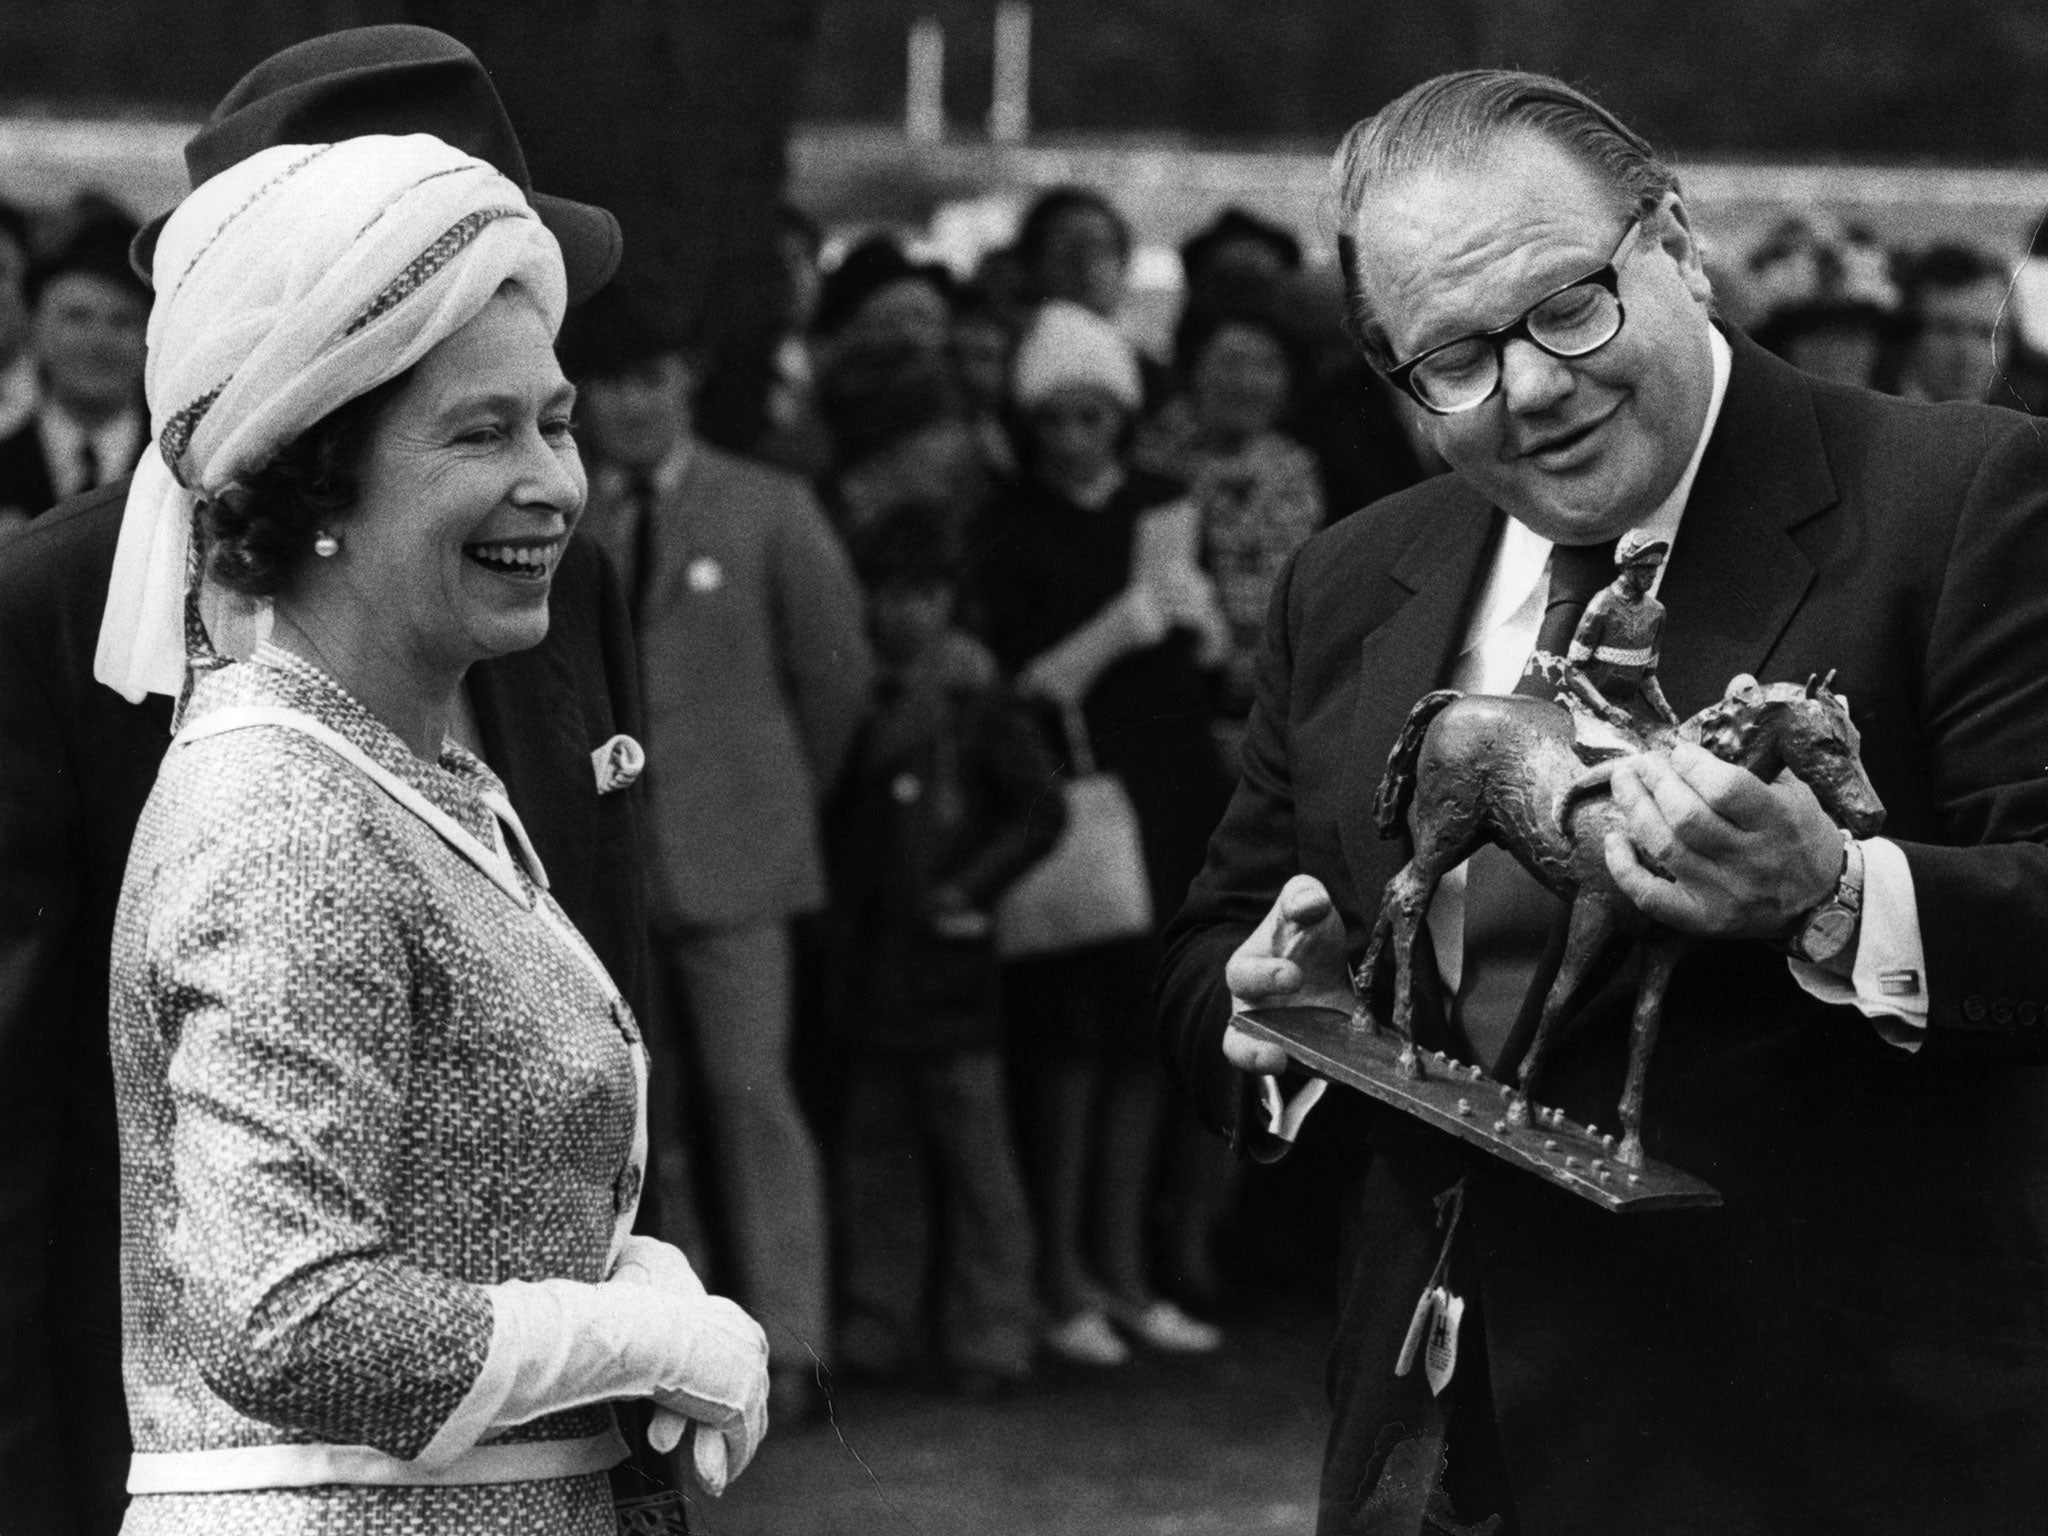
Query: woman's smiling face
468,490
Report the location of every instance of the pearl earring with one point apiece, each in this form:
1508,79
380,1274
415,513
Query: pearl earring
326,546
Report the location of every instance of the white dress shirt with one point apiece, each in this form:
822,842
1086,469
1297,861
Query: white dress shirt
1496,648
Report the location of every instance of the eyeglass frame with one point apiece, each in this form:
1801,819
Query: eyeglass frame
1608,276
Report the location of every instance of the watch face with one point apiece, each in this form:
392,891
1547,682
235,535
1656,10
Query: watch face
1826,932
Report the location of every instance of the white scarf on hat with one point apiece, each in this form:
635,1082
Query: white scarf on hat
286,286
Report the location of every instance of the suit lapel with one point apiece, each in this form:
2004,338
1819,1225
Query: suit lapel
1404,658
528,715
1737,575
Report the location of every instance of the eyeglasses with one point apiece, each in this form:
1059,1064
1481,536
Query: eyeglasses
1581,317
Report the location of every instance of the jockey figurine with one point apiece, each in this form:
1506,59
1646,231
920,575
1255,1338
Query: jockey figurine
1610,674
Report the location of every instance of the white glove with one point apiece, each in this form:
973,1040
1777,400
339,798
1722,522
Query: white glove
721,1382
649,1261
561,1344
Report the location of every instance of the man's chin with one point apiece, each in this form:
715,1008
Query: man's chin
1581,518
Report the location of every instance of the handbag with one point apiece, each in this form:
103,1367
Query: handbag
1092,888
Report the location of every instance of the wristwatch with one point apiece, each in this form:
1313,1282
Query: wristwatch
1831,927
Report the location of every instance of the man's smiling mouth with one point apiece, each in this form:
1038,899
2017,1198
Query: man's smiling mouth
1564,444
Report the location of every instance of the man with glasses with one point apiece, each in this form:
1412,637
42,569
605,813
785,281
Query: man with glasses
1855,1340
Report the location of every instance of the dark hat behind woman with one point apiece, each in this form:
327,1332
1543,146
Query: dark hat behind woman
392,79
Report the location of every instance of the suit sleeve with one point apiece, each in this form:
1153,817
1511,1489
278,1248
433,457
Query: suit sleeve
821,631
288,1076
1252,854
39,895
1982,893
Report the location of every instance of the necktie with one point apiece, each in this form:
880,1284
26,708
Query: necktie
1508,913
88,466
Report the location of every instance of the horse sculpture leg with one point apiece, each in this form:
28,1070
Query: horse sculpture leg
1662,950
1592,925
1402,911
1366,978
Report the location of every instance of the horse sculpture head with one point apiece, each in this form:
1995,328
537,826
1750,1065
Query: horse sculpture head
1767,727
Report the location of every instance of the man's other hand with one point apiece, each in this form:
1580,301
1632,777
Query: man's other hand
1295,956
1711,849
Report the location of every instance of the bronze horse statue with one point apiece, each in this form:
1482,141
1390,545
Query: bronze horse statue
1486,768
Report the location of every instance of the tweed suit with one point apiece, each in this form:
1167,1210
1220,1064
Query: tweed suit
356,1082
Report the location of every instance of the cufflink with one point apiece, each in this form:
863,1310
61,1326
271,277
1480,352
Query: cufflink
618,763
1900,983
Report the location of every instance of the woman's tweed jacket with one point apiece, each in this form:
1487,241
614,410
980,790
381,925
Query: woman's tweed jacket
356,1083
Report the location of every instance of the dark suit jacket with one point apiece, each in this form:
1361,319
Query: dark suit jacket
76,763
1858,1340
25,481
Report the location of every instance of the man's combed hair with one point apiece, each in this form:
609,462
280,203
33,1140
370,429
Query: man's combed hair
1459,120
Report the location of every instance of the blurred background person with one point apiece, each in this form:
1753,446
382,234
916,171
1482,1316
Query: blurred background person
1258,497
1953,295
900,431
795,438
1233,250
87,315
983,341
877,294
757,670
1257,492
1073,245
1824,299
950,797
1094,601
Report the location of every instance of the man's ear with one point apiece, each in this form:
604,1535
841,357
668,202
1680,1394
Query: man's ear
1672,226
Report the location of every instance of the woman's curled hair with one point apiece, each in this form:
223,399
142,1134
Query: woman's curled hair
259,529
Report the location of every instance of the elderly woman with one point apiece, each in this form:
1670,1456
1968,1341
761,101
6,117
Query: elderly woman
382,1110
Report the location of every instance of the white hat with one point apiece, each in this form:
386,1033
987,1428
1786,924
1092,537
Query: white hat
1069,347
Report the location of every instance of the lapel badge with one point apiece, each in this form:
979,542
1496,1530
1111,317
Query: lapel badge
618,763
705,574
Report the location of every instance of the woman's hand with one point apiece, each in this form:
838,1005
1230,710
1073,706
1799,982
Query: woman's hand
723,1388
725,1370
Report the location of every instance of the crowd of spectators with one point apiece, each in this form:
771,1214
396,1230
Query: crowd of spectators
986,543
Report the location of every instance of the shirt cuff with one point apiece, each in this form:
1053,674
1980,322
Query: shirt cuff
1888,984
1284,1116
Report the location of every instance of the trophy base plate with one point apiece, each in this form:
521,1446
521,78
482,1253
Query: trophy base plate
1463,1100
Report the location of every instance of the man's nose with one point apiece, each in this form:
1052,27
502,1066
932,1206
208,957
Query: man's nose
1530,378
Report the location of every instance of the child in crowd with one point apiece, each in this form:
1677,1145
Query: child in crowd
949,799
